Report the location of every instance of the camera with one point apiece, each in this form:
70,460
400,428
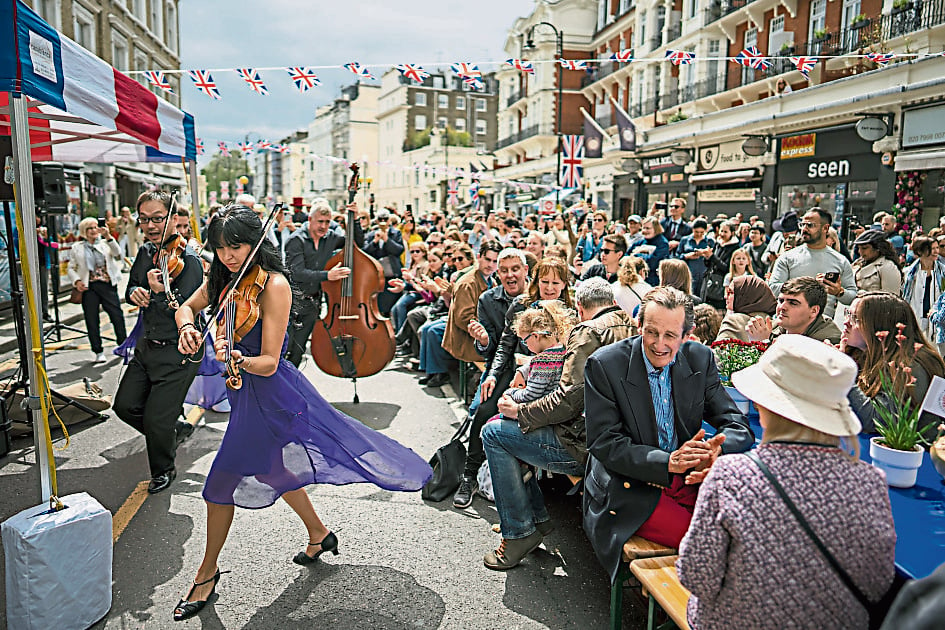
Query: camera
101,222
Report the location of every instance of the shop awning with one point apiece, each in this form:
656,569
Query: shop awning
149,178
920,160
724,177
546,203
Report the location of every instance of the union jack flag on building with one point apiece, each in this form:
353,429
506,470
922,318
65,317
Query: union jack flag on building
474,196
245,147
624,56
359,70
158,79
466,71
804,64
573,64
413,72
521,64
200,149
680,57
204,82
253,80
224,149
304,78
880,59
452,193
572,155
751,57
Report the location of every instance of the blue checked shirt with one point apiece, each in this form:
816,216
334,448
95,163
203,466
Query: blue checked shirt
661,390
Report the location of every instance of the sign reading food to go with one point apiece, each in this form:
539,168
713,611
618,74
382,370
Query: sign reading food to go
803,145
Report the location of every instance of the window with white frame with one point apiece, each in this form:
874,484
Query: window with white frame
172,26
693,8
480,127
157,18
602,13
480,104
642,29
777,24
139,9
420,121
119,51
625,5
141,63
460,124
49,11
83,25
419,98
818,17
751,39
442,101
442,122
714,74
460,102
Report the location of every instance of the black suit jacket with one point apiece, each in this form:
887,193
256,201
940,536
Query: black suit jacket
684,229
627,470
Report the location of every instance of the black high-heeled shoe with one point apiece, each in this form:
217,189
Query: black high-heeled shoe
328,543
187,609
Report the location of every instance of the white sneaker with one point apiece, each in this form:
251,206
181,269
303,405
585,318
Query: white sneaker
99,359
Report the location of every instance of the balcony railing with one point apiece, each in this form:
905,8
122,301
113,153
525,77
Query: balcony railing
718,8
674,33
516,97
636,110
528,132
604,68
876,30
702,89
656,41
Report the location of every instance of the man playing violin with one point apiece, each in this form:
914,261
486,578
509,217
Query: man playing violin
151,393
307,251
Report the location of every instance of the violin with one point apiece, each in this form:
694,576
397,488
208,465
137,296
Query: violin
238,316
169,258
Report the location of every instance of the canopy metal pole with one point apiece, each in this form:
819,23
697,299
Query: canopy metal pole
23,186
194,200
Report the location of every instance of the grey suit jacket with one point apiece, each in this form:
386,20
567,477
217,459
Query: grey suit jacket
627,470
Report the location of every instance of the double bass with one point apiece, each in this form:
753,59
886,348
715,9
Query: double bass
353,339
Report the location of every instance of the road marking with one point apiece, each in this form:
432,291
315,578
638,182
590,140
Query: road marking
128,509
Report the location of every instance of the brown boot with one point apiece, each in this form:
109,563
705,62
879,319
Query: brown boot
511,551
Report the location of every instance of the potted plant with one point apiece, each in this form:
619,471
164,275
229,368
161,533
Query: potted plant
787,49
900,6
821,35
677,117
732,355
859,21
899,447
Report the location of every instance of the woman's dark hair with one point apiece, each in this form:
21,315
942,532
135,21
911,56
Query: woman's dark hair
885,249
922,246
235,225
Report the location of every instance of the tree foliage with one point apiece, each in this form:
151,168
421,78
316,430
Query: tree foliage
421,138
221,168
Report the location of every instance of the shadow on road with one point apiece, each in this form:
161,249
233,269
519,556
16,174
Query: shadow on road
377,416
349,596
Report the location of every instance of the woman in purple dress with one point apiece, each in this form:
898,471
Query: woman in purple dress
282,435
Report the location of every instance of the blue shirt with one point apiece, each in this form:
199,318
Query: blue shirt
687,245
661,391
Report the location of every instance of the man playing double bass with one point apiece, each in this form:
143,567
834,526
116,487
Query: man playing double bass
307,251
151,393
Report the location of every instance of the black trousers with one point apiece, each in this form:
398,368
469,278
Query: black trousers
105,295
487,408
150,398
411,329
44,289
300,329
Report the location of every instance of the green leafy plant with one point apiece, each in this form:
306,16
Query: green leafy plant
787,47
898,421
820,33
902,4
859,19
677,117
732,355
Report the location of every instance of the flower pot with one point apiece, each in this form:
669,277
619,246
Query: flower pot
897,10
901,467
858,25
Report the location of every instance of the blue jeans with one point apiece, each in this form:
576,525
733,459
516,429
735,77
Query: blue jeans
398,314
477,397
521,505
433,358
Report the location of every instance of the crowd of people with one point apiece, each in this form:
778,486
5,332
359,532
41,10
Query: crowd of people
595,339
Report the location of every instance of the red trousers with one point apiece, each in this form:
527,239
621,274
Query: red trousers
670,520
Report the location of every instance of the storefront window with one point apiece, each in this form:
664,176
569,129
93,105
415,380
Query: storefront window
843,199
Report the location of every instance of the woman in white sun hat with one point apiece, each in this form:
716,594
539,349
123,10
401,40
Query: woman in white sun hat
747,559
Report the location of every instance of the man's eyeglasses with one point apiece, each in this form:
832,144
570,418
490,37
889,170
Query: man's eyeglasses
155,220
806,224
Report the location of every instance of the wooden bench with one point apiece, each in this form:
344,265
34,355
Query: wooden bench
634,549
661,586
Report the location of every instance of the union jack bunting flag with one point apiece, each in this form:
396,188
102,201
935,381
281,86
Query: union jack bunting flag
199,146
680,57
572,155
751,57
474,197
413,72
158,79
521,64
624,56
284,148
223,149
262,145
804,64
359,70
245,147
880,59
466,71
452,193
275,147
304,78
573,64
204,82
473,82
253,80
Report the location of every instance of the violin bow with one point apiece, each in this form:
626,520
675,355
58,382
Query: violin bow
172,300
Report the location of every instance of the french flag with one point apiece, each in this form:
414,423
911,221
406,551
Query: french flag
60,73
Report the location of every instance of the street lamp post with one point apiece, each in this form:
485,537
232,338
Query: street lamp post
530,45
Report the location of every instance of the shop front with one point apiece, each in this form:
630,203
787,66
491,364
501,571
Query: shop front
663,180
727,181
923,151
835,170
626,196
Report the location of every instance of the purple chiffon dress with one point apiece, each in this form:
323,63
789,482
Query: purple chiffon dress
283,435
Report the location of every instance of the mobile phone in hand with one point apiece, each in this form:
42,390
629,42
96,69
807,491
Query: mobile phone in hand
832,276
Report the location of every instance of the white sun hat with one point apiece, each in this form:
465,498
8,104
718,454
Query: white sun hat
806,381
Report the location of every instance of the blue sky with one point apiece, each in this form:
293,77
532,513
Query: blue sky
240,33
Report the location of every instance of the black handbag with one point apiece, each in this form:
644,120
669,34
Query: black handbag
448,464
713,288
876,610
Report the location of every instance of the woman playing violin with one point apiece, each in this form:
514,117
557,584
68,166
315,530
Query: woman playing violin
282,435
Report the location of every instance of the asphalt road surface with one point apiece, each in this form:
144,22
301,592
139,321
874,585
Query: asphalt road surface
403,563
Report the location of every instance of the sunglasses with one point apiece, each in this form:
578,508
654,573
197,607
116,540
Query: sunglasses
676,206
457,258
416,251
607,251
599,220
